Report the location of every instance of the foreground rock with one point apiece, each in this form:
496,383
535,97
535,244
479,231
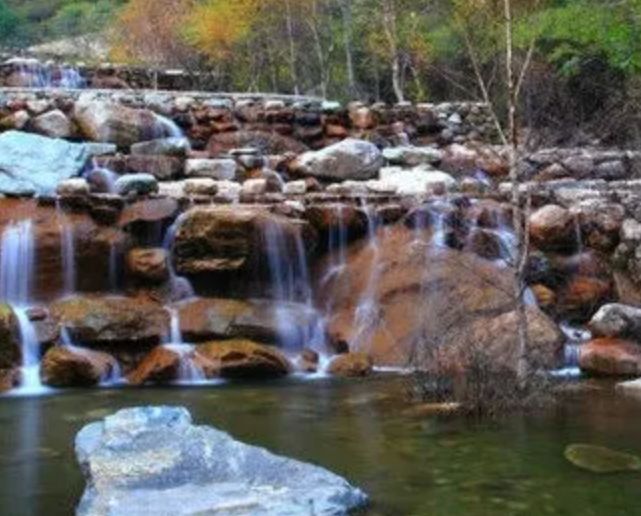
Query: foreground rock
155,461
34,165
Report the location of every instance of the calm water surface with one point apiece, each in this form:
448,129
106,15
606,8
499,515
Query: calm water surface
411,466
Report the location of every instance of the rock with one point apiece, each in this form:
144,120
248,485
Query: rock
617,321
631,387
553,228
76,367
173,146
136,184
148,212
245,359
348,159
218,169
295,188
34,165
149,266
226,238
342,220
351,365
110,122
267,143
201,186
161,366
264,321
111,320
447,297
598,459
254,187
76,187
163,168
10,351
53,124
417,181
413,156
153,460
17,120
611,357
600,223
229,190
582,295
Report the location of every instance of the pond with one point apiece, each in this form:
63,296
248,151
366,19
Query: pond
364,430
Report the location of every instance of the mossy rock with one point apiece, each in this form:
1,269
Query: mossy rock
598,459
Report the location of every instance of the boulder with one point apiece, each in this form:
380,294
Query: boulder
611,357
148,212
424,297
417,181
153,460
245,359
76,367
582,295
75,187
110,122
163,168
34,165
111,320
351,365
173,146
227,238
150,266
218,169
617,321
266,321
136,184
10,352
200,186
553,228
160,366
348,159
267,143
413,156
53,124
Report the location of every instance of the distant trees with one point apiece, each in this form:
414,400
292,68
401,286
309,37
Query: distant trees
10,25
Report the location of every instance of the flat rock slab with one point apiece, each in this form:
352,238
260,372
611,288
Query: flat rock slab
154,461
34,165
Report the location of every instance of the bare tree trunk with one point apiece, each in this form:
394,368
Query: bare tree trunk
346,11
292,48
518,212
389,28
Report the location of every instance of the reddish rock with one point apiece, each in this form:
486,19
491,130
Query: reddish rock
583,295
149,211
611,357
267,143
148,265
351,365
553,228
75,367
245,359
162,365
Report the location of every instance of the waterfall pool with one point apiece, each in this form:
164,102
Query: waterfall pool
364,430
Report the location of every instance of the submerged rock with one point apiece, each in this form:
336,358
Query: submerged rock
153,460
598,459
34,165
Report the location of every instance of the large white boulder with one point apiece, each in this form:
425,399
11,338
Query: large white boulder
34,165
154,461
416,181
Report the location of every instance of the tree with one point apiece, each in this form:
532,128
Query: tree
11,25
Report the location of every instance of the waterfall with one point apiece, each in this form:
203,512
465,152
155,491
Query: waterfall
188,372
166,128
113,376
17,265
69,257
366,316
174,336
575,338
102,176
337,246
178,283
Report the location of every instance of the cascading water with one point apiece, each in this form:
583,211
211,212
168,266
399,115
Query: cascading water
366,316
166,128
188,372
178,283
114,375
337,246
101,177
17,264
